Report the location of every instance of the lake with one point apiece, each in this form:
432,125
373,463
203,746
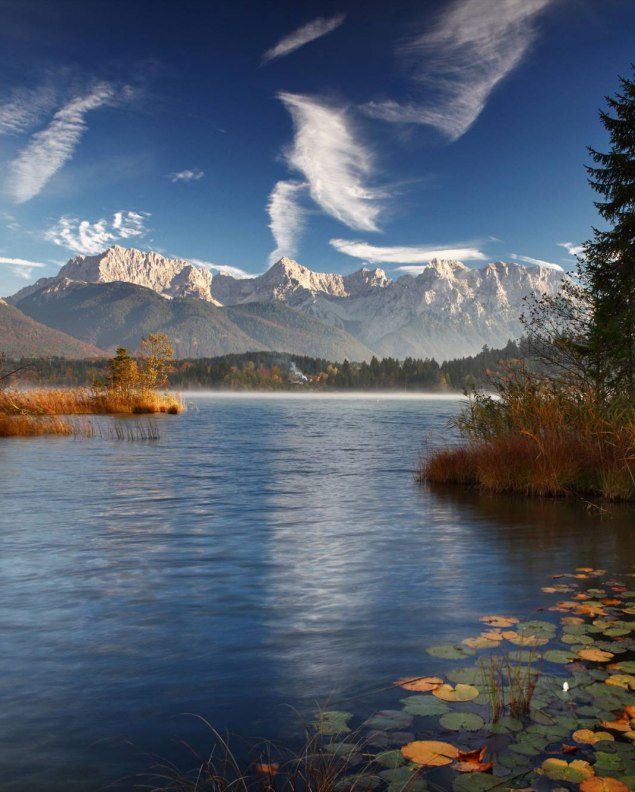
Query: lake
262,556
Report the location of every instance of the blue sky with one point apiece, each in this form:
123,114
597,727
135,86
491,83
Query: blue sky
337,133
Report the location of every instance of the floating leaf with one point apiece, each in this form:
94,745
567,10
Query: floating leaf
459,693
424,706
595,655
342,749
572,620
480,643
626,681
430,753
332,722
390,759
389,720
499,621
628,666
267,769
403,778
590,737
506,724
598,784
527,640
357,783
536,627
476,782
493,635
449,651
468,676
561,770
560,656
420,684
456,721
573,638
622,724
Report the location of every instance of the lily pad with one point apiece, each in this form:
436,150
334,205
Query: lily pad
450,651
499,621
467,676
358,783
389,720
430,753
476,782
421,684
544,629
458,721
561,770
559,656
390,759
505,725
402,778
332,722
598,784
590,737
459,693
480,642
424,706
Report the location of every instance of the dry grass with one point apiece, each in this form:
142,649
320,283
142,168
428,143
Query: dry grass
83,401
33,426
539,439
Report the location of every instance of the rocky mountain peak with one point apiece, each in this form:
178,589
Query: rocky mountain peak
168,277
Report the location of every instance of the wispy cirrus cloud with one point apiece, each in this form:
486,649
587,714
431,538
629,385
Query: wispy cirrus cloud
536,262
23,268
572,248
287,218
224,269
189,175
334,163
23,108
50,149
303,35
405,254
82,236
457,64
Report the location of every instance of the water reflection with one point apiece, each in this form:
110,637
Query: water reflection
262,553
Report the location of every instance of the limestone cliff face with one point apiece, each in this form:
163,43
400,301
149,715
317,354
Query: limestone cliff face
448,310
168,277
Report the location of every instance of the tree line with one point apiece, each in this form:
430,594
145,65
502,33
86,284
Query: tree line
281,371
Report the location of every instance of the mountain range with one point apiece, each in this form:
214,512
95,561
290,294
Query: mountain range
448,310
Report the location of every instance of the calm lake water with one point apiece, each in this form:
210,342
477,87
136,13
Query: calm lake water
264,554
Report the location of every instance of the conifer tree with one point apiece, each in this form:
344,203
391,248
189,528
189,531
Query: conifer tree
607,267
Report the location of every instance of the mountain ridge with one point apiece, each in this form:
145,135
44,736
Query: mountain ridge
448,310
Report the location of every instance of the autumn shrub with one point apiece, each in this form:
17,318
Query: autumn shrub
539,437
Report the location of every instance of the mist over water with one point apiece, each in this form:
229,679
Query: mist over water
264,552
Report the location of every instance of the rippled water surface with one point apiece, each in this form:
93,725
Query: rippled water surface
261,553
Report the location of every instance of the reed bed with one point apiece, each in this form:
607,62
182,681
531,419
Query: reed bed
32,413
540,439
85,401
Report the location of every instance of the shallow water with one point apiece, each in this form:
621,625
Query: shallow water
261,553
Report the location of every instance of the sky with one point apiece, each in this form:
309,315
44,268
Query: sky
341,134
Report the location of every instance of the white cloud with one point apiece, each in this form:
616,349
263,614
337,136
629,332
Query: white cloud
50,149
195,174
18,262
335,164
405,255
23,108
572,248
536,262
22,268
460,60
287,218
224,269
303,35
82,236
